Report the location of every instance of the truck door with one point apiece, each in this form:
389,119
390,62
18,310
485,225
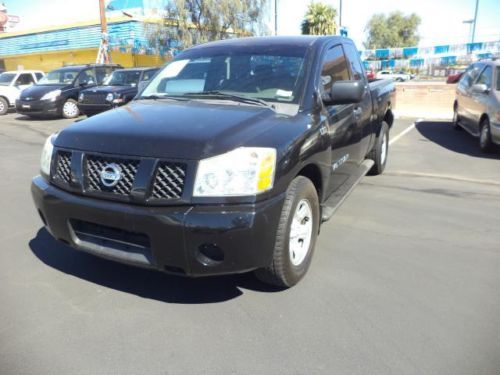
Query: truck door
343,133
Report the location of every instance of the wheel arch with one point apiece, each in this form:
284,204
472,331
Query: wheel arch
6,99
313,173
483,117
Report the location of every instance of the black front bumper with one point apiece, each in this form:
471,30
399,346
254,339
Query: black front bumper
44,108
191,240
93,109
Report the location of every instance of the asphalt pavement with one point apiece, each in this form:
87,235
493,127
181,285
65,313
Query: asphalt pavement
405,280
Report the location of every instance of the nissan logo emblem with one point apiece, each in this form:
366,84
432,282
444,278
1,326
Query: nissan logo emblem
111,174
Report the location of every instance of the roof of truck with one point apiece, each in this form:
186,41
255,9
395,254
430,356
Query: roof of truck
22,71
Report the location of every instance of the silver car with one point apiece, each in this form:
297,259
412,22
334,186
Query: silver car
477,104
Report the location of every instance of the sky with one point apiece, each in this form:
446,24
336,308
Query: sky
442,20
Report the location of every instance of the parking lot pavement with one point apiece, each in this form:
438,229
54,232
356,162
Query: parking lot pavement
404,281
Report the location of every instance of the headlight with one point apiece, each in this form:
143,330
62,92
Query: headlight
51,95
110,97
46,158
81,97
244,171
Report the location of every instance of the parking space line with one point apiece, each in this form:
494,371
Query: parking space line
444,177
407,130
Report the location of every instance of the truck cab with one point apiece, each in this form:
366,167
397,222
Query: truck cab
11,85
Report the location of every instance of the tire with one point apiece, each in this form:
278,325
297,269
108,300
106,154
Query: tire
4,106
70,109
380,151
456,118
292,258
485,143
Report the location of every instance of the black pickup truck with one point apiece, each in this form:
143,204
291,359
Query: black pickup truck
227,161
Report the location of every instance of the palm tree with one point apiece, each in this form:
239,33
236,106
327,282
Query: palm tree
319,20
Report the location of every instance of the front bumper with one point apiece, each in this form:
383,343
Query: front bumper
191,240
38,107
92,109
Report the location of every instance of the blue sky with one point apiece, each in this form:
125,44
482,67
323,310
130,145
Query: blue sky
441,19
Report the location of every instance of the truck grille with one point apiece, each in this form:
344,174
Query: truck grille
94,98
62,173
168,182
95,164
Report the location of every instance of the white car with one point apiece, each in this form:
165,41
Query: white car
389,74
11,85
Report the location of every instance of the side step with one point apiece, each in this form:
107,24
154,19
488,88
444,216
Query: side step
339,196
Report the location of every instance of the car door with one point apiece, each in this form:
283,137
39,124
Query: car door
343,135
480,99
464,96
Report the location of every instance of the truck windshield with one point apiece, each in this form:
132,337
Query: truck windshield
6,78
123,78
59,76
274,75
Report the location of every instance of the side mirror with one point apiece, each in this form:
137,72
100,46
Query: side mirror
345,92
142,85
480,88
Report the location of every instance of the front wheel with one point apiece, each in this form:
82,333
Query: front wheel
70,109
380,151
485,142
4,106
296,235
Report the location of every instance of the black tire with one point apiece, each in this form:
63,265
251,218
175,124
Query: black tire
282,271
377,154
456,118
485,143
4,106
74,113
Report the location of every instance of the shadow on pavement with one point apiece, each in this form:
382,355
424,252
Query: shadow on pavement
141,282
443,134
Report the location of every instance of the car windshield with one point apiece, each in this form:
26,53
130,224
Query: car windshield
6,78
123,78
56,77
272,74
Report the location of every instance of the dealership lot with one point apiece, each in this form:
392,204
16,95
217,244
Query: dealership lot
404,281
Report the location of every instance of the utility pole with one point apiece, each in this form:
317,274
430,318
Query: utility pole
340,14
103,56
275,17
475,22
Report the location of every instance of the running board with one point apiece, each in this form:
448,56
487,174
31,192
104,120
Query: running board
339,196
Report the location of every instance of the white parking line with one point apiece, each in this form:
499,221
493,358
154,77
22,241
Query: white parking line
407,130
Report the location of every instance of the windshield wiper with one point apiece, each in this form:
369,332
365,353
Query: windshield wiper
157,97
236,98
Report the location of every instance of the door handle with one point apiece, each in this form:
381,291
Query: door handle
357,112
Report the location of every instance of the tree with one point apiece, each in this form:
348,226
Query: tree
197,21
319,20
393,31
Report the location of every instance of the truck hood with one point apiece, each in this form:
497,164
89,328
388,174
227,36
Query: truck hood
35,92
178,130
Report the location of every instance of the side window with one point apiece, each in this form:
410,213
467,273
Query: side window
102,72
354,61
148,74
38,76
486,77
334,68
470,76
24,79
87,76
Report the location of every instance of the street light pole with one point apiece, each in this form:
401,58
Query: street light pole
340,14
275,17
475,22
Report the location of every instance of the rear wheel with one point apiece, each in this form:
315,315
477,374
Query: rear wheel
70,109
295,237
380,151
4,106
485,142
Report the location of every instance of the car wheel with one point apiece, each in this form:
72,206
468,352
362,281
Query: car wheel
4,106
399,80
485,142
456,118
296,235
380,151
70,109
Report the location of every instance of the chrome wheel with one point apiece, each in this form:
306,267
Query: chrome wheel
383,152
301,231
2,106
70,109
485,136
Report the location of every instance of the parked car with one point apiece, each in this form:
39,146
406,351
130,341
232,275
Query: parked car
118,89
455,77
370,75
389,74
477,105
11,85
57,93
229,172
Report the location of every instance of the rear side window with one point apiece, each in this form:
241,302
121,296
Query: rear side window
354,61
334,68
24,79
38,76
486,77
148,74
